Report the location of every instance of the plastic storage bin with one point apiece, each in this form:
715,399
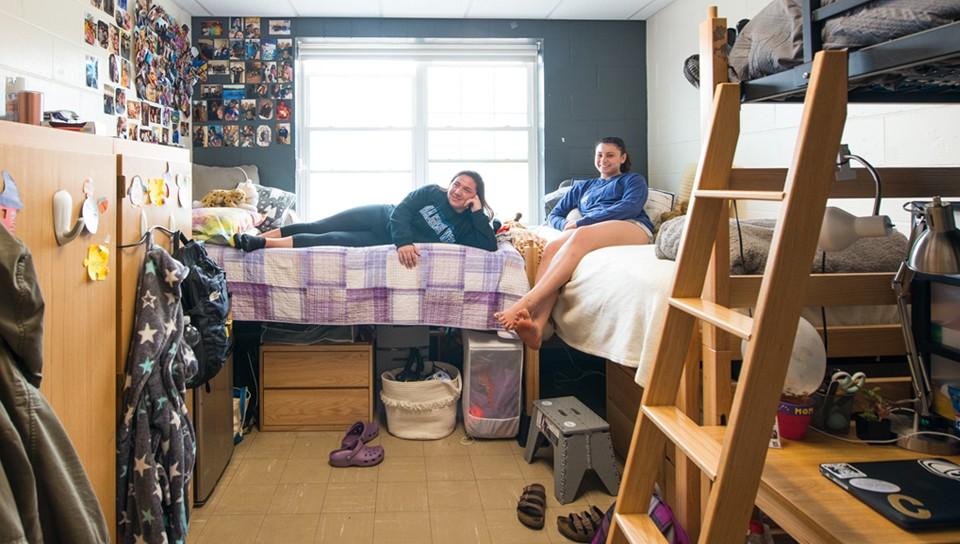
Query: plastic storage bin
493,376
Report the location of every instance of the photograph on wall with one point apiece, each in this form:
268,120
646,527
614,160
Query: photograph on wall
279,27
108,106
238,51
92,72
165,116
122,17
113,68
154,115
253,71
247,136
132,130
89,29
285,69
122,127
125,69
265,109
103,34
184,128
233,92
231,136
210,91
268,49
237,72
108,6
283,110
145,135
218,68
283,133
252,49
199,136
215,110
120,98
264,135
231,110
248,109
261,90
221,49
214,136
125,45
269,72
199,111
236,28
97,4
285,91
211,29
205,47
133,109
145,114
284,50
251,28
114,40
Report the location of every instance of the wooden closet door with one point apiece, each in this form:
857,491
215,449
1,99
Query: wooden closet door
79,343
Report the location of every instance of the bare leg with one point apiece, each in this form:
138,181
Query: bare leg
509,318
275,233
540,300
278,242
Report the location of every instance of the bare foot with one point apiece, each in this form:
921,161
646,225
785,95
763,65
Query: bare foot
509,317
528,330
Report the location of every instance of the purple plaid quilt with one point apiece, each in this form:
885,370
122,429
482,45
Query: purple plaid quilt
452,286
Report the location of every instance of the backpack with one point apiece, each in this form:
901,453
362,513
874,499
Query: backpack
206,300
662,516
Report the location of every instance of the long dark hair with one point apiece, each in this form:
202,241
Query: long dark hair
625,167
481,190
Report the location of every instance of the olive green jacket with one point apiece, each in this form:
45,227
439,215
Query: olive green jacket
45,495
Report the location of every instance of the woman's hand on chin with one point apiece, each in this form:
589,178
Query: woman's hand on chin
408,255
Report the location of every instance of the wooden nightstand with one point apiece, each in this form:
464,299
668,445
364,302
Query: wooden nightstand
315,388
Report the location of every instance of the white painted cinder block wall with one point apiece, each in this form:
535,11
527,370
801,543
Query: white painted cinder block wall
886,135
43,42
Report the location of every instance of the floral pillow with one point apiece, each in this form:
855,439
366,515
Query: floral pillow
273,203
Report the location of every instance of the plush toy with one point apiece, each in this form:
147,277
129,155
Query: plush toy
224,198
521,237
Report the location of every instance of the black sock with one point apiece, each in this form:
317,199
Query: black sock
249,243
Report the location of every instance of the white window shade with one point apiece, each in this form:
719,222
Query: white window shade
521,50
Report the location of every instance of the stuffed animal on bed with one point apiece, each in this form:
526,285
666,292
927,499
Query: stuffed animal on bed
244,196
521,237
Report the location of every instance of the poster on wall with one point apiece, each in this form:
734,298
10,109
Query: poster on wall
279,27
92,71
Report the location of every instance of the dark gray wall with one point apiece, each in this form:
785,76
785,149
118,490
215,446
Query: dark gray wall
595,84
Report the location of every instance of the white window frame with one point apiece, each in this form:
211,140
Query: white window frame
527,50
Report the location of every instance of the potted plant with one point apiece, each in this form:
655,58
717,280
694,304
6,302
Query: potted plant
793,415
873,423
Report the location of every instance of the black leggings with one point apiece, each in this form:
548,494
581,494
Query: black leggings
362,226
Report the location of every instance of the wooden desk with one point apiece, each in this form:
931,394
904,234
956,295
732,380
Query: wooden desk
813,509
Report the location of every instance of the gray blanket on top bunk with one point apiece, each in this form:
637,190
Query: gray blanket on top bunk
773,40
865,255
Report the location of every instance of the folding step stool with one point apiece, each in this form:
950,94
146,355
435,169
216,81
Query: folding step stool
581,441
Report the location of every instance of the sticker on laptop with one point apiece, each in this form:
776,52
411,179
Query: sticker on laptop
872,484
843,471
941,467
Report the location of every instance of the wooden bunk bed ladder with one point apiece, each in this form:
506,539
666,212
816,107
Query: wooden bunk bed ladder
735,462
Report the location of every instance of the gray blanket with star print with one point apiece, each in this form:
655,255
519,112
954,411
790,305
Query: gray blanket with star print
155,440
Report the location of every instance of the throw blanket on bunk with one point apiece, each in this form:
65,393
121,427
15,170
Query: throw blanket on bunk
452,286
865,255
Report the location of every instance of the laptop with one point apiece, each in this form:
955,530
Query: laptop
915,494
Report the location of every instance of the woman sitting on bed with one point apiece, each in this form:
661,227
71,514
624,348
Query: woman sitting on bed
456,215
600,212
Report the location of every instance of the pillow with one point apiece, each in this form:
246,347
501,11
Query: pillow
218,225
658,202
273,203
209,178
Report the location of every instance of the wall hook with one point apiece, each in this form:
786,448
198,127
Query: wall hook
62,212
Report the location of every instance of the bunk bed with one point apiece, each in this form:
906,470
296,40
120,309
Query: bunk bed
925,71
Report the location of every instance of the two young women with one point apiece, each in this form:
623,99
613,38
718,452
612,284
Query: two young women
601,212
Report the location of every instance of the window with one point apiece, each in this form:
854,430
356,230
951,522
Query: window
379,119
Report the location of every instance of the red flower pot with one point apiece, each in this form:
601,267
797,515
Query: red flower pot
793,419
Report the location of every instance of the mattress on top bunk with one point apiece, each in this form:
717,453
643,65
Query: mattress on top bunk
773,40
452,286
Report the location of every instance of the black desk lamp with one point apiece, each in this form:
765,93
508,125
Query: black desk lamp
935,250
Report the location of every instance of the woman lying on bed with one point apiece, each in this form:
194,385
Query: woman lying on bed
607,211
456,215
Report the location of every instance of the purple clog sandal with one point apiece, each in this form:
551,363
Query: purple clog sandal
362,431
359,455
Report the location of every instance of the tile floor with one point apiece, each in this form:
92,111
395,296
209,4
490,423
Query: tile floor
280,489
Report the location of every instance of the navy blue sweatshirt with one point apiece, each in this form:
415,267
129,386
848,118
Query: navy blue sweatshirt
425,215
620,197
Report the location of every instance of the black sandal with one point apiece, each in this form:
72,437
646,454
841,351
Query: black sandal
580,527
532,505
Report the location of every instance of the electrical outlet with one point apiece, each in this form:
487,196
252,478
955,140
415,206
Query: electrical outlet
844,171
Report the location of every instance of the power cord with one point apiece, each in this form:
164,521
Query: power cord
887,441
844,159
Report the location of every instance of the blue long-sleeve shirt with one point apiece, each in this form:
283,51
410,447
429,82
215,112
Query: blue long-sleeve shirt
620,197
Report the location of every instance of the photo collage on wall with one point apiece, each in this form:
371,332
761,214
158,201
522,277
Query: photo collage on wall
245,95
149,67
